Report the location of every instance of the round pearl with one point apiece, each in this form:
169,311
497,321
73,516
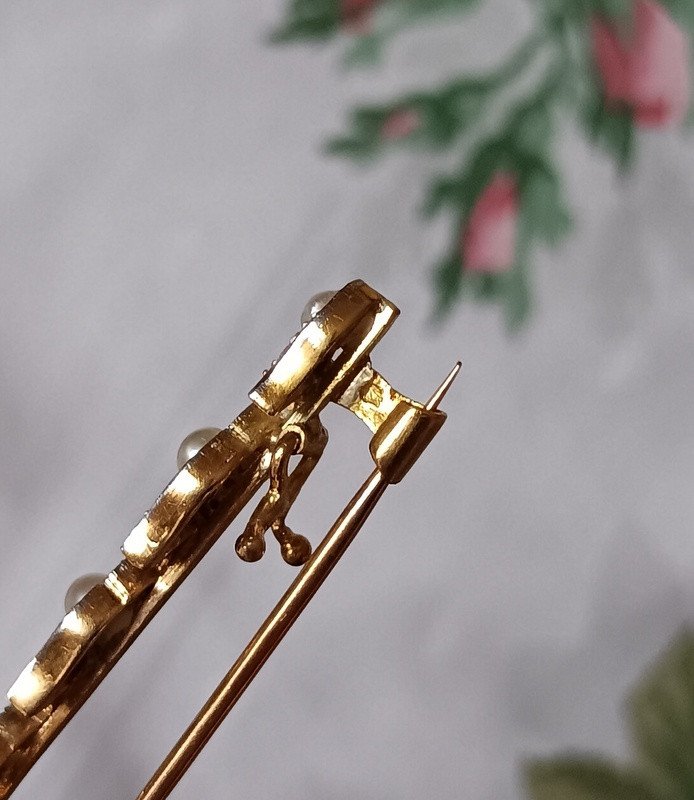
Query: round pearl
80,587
193,443
315,304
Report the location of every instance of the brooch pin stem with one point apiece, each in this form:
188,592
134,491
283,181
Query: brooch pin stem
278,623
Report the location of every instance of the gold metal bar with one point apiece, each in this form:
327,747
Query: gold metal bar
328,360
266,639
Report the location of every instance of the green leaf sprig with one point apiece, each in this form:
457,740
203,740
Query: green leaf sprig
523,144
660,715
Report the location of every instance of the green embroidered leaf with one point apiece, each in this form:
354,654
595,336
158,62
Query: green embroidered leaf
465,100
461,191
365,140
577,778
682,11
612,129
614,9
366,50
517,302
661,714
309,19
447,285
454,192
424,7
354,148
399,13
391,16
543,205
563,11
532,130
510,289
437,118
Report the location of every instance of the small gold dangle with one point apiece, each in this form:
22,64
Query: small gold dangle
308,441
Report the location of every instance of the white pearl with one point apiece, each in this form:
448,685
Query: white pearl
80,587
315,304
193,443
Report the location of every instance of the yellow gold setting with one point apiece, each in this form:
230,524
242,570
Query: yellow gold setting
327,361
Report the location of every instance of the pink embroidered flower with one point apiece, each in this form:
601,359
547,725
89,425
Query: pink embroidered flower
357,15
400,123
612,62
647,70
488,241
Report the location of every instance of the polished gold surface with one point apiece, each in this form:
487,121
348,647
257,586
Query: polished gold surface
328,360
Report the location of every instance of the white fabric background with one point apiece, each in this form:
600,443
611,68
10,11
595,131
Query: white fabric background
165,214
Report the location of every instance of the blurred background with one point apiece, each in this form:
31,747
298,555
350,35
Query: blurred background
168,207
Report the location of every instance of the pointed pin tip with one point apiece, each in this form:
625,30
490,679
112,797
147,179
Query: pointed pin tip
440,393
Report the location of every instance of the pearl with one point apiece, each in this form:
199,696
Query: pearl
193,443
315,304
80,587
